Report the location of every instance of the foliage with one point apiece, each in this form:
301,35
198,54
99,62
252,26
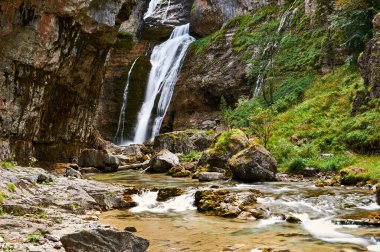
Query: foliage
297,165
192,156
2,197
226,138
7,164
355,21
262,125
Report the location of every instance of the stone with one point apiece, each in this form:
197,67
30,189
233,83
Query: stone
52,237
167,193
210,176
309,172
163,161
111,163
224,203
91,158
103,240
377,190
70,172
89,170
293,220
225,145
253,164
183,141
130,229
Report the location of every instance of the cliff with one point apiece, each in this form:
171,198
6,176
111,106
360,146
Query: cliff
52,56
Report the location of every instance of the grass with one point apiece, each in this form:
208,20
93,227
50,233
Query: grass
34,238
2,197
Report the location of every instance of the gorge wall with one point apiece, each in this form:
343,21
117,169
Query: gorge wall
52,56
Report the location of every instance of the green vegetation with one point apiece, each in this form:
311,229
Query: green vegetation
34,238
11,187
226,139
2,197
192,156
7,165
297,100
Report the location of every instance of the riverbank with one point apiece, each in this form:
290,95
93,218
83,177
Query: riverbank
44,212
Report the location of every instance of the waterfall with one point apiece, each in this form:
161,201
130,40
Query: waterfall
166,60
119,136
152,6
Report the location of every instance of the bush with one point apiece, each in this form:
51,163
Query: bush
297,166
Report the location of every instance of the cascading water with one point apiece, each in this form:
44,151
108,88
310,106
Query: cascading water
152,7
166,60
119,136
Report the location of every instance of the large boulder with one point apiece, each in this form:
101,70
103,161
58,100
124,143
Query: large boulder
184,141
163,161
99,159
105,240
225,146
253,164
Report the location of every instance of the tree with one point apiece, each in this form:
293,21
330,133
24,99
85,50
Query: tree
262,125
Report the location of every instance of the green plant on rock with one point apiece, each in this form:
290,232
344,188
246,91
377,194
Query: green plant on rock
9,247
192,156
297,166
34,238
7,164
11,187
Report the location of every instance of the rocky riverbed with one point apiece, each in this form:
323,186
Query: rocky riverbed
44,212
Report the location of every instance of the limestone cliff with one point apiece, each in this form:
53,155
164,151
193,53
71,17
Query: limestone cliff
52,56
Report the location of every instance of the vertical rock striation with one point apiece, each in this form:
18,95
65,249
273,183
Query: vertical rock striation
52,56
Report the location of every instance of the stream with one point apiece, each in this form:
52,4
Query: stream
175,225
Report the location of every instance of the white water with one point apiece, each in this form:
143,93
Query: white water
152,7
166,60
119,137
147,202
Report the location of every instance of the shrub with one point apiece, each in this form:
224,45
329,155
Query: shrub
192,156
297,165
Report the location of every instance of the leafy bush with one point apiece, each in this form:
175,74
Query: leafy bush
11,187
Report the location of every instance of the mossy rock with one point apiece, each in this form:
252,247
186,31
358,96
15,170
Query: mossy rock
182,174
352,176
167,193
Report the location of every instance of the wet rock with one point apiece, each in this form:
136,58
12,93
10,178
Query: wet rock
130,229
109,200
111,163
309,172
89,170
253,164
377,190
103,240
293,219
168,193
224,203
211,176
163,161
182,174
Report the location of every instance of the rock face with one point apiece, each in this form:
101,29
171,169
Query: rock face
163,161
52,56
208,16
370,69
378,194
104,240
210,176
253,164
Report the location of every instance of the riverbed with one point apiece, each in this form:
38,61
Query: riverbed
175,225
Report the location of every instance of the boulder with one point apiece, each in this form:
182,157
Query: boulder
70,172
225,146
184,141
167,193
253,164
103,240
225,203
100,159
210,176
163,161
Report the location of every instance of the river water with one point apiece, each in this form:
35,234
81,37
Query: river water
175,225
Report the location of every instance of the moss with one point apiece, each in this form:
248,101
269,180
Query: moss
181,174
2,197
192,156
7,164
226,139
